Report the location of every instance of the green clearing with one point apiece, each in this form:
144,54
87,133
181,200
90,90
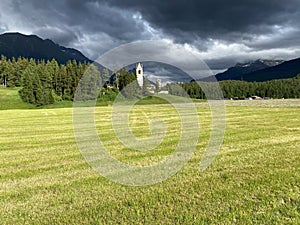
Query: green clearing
10,99
253,180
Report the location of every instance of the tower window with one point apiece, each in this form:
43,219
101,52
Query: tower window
139,71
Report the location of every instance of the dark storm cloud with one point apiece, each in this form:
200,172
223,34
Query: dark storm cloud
225,31
230,19
70,21
256,26
62,36
90,16
3,26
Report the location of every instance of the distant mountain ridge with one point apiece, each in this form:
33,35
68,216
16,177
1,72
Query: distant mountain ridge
31,46
259,70
287,69
240,69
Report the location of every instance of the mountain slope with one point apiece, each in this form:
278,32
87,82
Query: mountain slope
240,69
287,69
31,46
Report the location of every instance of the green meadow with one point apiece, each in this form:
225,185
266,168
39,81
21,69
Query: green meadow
255,178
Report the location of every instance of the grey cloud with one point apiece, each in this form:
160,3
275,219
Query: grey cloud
63,36
66,21
288,38
95,26
167,73
3,26
232,21
214,17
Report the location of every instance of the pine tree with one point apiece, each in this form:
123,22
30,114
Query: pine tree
4,71
37,90
90,84
65,83
128,84
44,75
105,74
53,68
14,73
26,92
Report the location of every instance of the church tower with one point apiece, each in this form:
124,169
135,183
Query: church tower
140,74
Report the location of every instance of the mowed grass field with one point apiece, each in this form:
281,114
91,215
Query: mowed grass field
255,178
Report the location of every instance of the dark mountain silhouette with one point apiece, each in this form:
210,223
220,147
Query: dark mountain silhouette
260,70
284,70
240,69
31,46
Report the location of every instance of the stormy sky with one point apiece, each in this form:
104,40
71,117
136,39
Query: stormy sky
222,32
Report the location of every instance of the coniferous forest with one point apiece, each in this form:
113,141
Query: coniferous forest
43,83
282,88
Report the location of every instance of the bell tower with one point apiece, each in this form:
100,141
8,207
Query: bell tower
140,74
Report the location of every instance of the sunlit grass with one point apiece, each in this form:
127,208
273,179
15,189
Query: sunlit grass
10,99
254,179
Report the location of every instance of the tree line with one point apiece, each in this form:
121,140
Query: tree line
43,83
281,88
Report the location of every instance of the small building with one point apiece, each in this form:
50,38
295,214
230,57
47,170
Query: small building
164,92
256,98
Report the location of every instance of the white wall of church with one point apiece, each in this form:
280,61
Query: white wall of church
140,75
